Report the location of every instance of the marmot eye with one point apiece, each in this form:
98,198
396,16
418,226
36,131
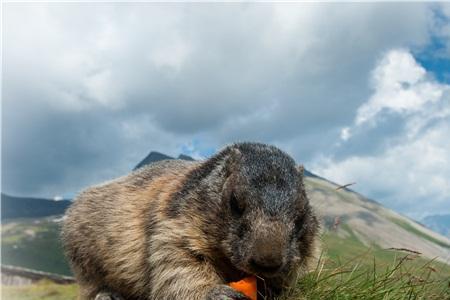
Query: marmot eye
299,224
237,207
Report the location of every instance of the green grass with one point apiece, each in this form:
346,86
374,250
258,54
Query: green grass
42,290
347,270
406,277
350,270
341,249
402,279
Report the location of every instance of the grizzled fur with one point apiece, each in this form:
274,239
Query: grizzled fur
182,230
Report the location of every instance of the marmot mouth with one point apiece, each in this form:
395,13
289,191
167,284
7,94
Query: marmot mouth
266,270
259,273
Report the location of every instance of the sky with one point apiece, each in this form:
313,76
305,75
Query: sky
356,92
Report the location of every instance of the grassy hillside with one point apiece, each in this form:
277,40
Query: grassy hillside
34,244
357,262
346,213
347,270
368,277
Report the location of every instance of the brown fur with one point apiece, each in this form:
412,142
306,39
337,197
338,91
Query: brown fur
162,232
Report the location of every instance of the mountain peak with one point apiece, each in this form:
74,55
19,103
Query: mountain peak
185,157
152,157
155,156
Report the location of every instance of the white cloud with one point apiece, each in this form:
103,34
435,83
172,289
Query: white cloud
412,172
101,87
173,55
401,85
105,83
345,133
413,177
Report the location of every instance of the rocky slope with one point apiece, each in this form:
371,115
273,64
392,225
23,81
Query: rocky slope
346,213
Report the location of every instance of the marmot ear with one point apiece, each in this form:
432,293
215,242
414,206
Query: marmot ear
301,170
232,161
301,173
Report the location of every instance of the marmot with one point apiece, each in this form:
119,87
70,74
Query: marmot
183,230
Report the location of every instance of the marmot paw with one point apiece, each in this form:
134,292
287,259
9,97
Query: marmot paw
108,296
224,292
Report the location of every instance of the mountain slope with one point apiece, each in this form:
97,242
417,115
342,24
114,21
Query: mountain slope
25,207
346,213
351,224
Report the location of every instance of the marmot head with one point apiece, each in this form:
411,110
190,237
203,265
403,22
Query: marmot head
271,225
251,201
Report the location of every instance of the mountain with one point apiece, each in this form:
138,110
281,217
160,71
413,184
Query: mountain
25,207
185,157
347,214
157,156
438,223
150,158
351,223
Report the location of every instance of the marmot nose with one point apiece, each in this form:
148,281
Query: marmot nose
266,264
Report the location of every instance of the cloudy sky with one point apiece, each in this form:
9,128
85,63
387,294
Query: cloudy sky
356,92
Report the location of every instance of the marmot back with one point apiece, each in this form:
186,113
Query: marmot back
182,230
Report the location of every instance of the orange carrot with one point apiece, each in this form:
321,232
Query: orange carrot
246,286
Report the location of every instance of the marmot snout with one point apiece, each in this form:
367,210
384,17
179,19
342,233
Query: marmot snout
182,230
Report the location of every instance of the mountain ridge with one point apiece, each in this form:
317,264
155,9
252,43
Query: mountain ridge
346,217
23,207
372,223
155,156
